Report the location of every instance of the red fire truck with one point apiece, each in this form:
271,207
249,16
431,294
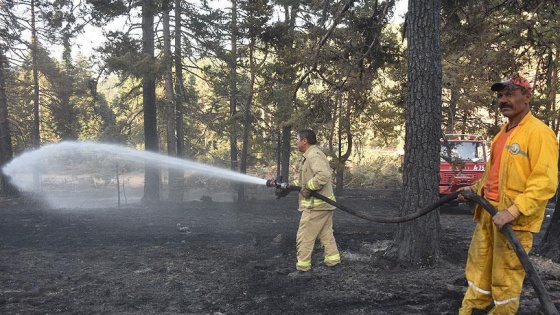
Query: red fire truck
462,161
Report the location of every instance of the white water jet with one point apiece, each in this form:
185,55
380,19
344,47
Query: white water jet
68,164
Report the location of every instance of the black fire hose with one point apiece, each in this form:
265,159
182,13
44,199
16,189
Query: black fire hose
282,192
542,294
550,309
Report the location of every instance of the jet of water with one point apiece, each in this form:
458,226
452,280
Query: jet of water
57,155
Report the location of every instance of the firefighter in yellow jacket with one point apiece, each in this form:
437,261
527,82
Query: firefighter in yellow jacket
520,178
316,215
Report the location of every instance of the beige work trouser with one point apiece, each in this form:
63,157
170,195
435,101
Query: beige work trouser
494,272
313,225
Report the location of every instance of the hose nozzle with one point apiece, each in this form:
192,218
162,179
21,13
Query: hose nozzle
282,189
277,182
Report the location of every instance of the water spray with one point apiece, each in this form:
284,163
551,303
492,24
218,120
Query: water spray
74,164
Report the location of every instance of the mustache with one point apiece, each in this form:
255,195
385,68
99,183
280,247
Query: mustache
505,105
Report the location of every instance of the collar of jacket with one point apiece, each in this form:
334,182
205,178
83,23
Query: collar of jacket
309,151
521,123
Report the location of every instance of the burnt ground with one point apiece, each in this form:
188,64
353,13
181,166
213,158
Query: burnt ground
224,258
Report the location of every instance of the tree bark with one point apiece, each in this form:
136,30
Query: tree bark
553,84
179,93
286,88
233,132
34,52
179,88
6,154
36,123
416,242
285,153
344,130
247,121
151,178
233,88
175,177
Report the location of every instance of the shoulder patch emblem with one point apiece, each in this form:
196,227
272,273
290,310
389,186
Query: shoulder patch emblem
514,148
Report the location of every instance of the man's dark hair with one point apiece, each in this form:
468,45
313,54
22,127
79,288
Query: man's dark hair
308,134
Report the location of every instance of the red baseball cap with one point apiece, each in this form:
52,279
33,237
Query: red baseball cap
515,81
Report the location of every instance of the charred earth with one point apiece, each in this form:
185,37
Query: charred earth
208,257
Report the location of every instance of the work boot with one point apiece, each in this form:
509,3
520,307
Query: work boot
298,274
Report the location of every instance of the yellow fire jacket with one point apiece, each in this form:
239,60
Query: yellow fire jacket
315,173
528,173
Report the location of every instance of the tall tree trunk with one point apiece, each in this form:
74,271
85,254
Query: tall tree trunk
179,88
344,131
553,85
285,153
247,121
36,126
464,126
179,97
286,88
67,126
233,99
6,154
416,242
34,52
278,153
175,177
233,88
168,78
339,165
151,178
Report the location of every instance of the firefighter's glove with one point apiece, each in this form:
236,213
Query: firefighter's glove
305,192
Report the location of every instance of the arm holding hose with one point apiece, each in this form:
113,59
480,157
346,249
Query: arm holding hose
500,218
470,189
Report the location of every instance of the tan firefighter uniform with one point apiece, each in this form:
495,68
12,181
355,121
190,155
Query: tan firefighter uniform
316,215
528,178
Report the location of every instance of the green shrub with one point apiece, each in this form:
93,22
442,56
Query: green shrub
377,171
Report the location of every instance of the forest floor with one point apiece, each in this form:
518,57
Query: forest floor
226,258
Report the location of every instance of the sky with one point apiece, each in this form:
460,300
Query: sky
92,37
401,6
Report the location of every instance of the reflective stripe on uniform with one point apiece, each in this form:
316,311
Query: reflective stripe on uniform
311,186
311,202
506,301
477,289
332,258
306,263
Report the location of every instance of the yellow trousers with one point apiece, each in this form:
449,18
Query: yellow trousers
313,225
493,271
